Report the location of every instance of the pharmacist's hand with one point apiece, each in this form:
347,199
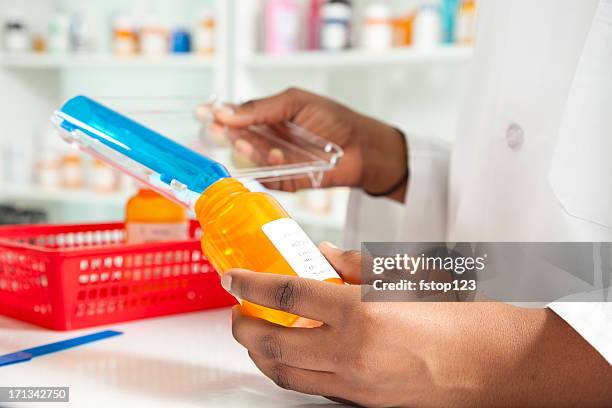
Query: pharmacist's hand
415,354
374,153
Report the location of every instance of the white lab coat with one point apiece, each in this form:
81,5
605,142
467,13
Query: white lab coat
532,158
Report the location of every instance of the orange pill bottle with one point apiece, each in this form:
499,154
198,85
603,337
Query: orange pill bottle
150,217
251,230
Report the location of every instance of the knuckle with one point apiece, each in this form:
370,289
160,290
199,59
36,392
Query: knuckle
287,295
250,104
241,287
271,347
357,361
279,377
361,394
351,257
351,309
235,331
370,321
351,360
348,313
358,364
293,91
370,398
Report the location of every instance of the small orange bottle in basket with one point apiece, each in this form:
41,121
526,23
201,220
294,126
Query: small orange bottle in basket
150,217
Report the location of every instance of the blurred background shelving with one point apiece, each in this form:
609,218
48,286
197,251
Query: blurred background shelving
417,88
360,58
35,194
45,61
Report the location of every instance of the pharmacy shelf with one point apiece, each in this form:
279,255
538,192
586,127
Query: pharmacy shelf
334,220
355,58
49,61
62,196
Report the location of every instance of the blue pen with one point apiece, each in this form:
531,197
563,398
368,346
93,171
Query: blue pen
28,354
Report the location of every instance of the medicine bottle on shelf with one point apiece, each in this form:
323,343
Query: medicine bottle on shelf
150,217
314,24
153,36
180,41
15,33
449,10
377,32
103,177
403,24
204,36
465,29
427,28
72,171
58,33
282,33
336,18
125,38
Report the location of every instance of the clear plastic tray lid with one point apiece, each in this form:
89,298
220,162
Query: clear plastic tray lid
162,143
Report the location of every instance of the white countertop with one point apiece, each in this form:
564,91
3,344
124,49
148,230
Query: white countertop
188,360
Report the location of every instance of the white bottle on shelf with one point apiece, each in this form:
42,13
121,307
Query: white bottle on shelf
19,163
48,169
48,159
80,34
377,30
153,36
204,33
125,38
58,33
427,32
103,178
3,164
465,29
336,26
15,33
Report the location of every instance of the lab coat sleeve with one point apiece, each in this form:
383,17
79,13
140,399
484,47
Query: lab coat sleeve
592,320
583,185
422,216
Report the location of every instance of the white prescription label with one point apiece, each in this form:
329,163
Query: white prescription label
144,232
298,250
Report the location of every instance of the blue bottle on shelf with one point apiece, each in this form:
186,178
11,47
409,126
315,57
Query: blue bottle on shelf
448,15
180,42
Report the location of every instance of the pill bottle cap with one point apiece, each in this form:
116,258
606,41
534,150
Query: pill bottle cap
336,10
155,160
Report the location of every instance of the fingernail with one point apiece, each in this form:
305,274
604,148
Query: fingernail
225,111
226,282
244,147
216,130
216,135
204,113
276,156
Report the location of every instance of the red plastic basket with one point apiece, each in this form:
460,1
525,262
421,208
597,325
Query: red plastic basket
73,276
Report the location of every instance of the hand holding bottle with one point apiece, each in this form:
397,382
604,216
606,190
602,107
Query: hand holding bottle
414,354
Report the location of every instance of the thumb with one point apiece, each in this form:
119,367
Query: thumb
279,108
346,263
